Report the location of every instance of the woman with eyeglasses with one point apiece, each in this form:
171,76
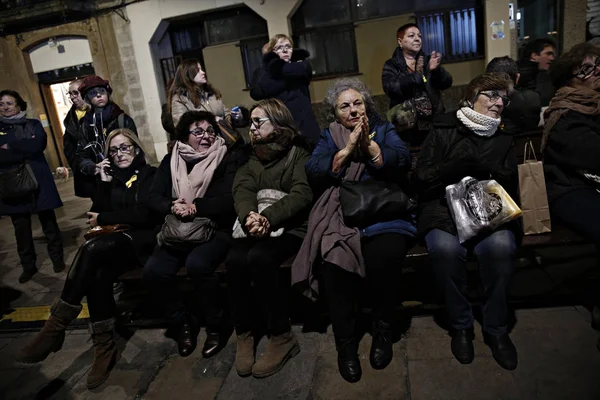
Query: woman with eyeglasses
195,180
471,143
22,141
571,143
126,179
285,74
357,146
275,171
103,117
85,186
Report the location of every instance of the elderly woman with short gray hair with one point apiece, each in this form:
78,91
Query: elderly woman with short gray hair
357,146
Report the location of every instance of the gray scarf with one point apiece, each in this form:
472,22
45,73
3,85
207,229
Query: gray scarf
23,129
14,118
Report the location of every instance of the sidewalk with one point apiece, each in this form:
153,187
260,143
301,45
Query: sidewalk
557,352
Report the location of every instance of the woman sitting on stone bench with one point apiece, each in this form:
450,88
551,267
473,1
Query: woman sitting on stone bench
357,146
470,143
195,180
125,184
571,144
272,235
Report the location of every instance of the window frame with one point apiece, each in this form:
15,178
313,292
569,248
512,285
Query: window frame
448,58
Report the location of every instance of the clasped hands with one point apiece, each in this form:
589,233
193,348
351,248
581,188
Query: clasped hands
257,225
183,210
358,142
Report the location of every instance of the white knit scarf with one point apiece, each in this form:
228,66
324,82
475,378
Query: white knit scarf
480,124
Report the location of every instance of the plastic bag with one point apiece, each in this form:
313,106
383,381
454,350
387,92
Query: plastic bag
478,206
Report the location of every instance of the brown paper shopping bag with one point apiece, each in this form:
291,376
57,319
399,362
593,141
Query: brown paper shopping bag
534,199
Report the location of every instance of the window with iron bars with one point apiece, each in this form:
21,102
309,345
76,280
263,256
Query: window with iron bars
457,34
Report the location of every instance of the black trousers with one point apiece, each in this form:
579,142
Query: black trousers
259,261
24,237
161,269
384,255
97,264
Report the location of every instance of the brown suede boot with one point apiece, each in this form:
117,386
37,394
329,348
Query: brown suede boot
105,352
244,355
279,350
51,337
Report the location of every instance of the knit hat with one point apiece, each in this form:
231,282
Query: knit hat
92,81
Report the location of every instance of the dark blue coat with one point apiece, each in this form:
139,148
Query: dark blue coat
396,163
289,83
19,150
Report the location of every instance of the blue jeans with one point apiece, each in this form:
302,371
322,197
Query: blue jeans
495,254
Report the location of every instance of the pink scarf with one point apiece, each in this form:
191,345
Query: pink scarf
194,185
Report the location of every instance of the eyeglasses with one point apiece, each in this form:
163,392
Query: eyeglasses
494,96
7,104
199,132
258,122
124,149
74,93
587,69
95,92
279,49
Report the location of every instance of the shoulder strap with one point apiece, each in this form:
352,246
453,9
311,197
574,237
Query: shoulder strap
290,156
121,121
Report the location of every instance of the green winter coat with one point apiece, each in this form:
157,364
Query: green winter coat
292,211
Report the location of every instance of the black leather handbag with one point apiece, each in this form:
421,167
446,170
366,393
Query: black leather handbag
368,202
185,235
17,182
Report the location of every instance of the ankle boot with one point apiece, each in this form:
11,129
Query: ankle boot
244,356
462,345
381,348
105,352
51,337
348,361
503,350
214,343
279,350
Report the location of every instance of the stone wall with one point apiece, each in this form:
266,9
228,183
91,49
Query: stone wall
127,78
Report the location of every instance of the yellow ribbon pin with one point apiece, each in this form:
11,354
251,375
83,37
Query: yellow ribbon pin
372,135
3,133
130,181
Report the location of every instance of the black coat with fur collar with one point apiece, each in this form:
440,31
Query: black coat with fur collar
289,83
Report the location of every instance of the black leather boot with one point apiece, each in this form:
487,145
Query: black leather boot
348,362
214,343
503,350
462,345
381,347
187,339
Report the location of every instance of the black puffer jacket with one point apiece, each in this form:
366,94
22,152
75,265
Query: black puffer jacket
572,147
289,83
401,85
451,141
124,200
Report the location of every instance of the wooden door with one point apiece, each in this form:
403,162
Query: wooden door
54,152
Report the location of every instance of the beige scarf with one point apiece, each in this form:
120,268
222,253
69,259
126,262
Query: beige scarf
194,185
585,101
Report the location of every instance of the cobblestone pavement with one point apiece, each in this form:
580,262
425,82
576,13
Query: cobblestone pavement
557,350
